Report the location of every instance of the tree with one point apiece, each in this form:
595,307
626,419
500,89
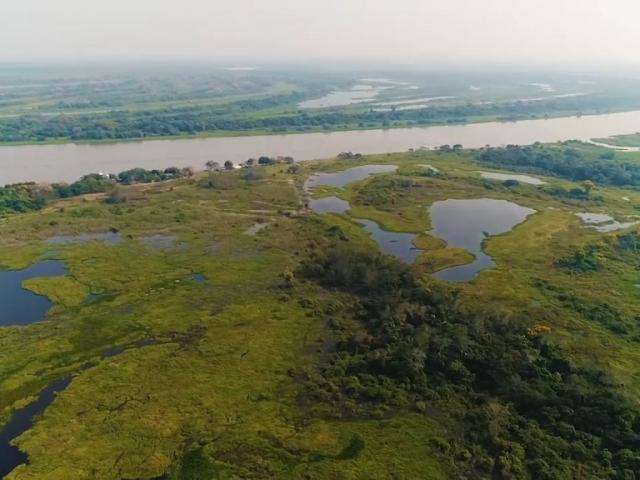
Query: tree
588,185
187,172
228,165
212,166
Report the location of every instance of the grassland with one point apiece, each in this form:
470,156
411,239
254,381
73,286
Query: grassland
625,141
207,383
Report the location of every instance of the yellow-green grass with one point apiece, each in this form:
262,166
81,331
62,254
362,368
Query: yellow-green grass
209,368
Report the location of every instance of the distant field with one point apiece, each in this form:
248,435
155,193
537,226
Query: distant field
143,102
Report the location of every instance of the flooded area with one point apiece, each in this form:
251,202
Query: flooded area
68,162
343,98
329,205
23,307
110,238
399,245
466,224
461,223
603,222
21,421
512,176
345,177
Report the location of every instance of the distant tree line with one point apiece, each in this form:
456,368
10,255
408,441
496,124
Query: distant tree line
240,116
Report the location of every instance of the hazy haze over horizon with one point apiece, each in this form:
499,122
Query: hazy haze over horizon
554,33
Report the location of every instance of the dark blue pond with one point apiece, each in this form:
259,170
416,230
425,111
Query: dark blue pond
21,421
399,245
466,224
199,278
345,177
22,307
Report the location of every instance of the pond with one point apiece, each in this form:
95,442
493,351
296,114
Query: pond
399,245
22,307
466,224
199,278
512,176
329,205
21,421
68,162
345,177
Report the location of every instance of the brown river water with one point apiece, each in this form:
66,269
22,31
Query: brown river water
67,162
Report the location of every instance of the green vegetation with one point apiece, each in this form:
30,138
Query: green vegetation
528,411
20,198
582,260
570,161
145,101
624,141
301,352
25,197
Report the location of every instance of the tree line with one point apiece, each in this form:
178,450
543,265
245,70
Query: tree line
525,409
241,117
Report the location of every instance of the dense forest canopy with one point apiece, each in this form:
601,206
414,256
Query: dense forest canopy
528,411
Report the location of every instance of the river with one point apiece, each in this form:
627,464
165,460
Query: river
67,162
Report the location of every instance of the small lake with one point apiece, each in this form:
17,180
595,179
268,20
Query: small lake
399,245
22,307
329,205
512,176
21,421
345,177
68,162
466,224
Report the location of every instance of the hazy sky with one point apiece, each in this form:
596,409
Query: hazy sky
418,32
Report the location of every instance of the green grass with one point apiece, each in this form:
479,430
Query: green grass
213,392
